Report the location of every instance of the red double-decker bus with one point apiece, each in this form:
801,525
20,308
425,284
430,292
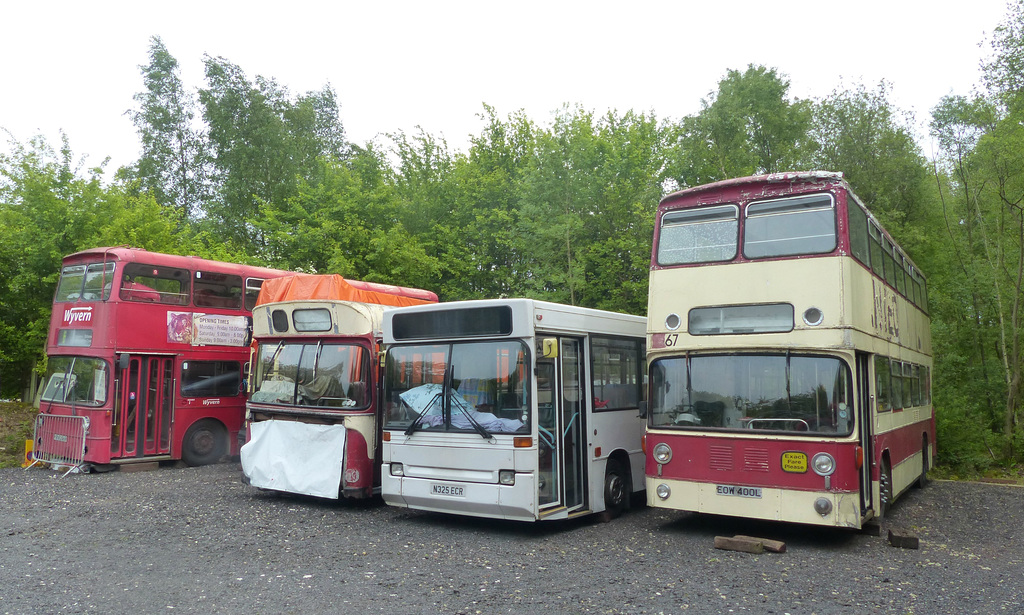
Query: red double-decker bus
147,355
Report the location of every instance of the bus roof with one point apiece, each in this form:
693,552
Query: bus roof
792,177
129,254
303,286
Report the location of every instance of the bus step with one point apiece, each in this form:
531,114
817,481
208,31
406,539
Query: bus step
140,460
561,512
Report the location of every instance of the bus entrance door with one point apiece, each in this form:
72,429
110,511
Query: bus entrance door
864,414
560,423
143,422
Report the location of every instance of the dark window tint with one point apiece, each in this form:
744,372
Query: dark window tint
217,290
858,222
210,378
465,322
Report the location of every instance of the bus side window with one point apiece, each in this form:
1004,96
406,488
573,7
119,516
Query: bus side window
882,376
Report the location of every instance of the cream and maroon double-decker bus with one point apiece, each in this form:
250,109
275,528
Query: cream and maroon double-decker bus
789,355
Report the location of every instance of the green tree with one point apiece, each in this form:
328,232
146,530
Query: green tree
859,132
981,172
47,209
173,165
262,143
587,209
348,221
481,254
749,126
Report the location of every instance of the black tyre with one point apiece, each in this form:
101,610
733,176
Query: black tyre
616,490
885,489
205,443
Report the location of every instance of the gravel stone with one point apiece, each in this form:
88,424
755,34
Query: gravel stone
197,540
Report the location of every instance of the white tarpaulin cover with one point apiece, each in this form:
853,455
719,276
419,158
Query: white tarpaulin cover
295,457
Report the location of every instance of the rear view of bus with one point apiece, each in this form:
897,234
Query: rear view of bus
789,355
312,413
512,409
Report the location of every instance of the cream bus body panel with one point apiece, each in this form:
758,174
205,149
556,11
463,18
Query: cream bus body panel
774,504
348,318
808,283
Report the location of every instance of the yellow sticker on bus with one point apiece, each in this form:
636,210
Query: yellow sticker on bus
795,462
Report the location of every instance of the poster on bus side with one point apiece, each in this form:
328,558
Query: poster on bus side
198,329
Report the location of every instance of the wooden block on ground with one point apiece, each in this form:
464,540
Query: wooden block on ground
872,528
903,538
140,467
775,546
747,545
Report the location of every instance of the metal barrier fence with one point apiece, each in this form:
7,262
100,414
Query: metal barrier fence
60,440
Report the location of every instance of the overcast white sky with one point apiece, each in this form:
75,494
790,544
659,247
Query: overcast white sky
74,66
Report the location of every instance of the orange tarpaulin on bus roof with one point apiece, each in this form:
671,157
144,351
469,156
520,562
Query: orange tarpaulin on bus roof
334,287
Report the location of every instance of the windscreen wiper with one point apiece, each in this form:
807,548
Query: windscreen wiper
413,425
466,411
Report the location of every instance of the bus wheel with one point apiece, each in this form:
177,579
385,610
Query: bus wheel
204,443
616,490
885,488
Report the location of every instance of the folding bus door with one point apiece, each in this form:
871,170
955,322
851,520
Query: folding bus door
864,428
561,411
143,421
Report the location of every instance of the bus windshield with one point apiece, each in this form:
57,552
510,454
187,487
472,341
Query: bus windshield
477,386
85,282
81,380
806,395
312,374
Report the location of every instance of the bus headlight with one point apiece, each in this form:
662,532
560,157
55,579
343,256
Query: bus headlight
663,491
662,453
507,477
823,464
397,469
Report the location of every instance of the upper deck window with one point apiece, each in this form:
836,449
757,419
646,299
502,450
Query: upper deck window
154,284
858,231
252,292
704,235
790,226
85,282
217,290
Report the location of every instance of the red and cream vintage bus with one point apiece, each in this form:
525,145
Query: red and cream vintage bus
789,355
312,416
146,356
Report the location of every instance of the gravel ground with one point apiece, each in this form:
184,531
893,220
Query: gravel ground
191,540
